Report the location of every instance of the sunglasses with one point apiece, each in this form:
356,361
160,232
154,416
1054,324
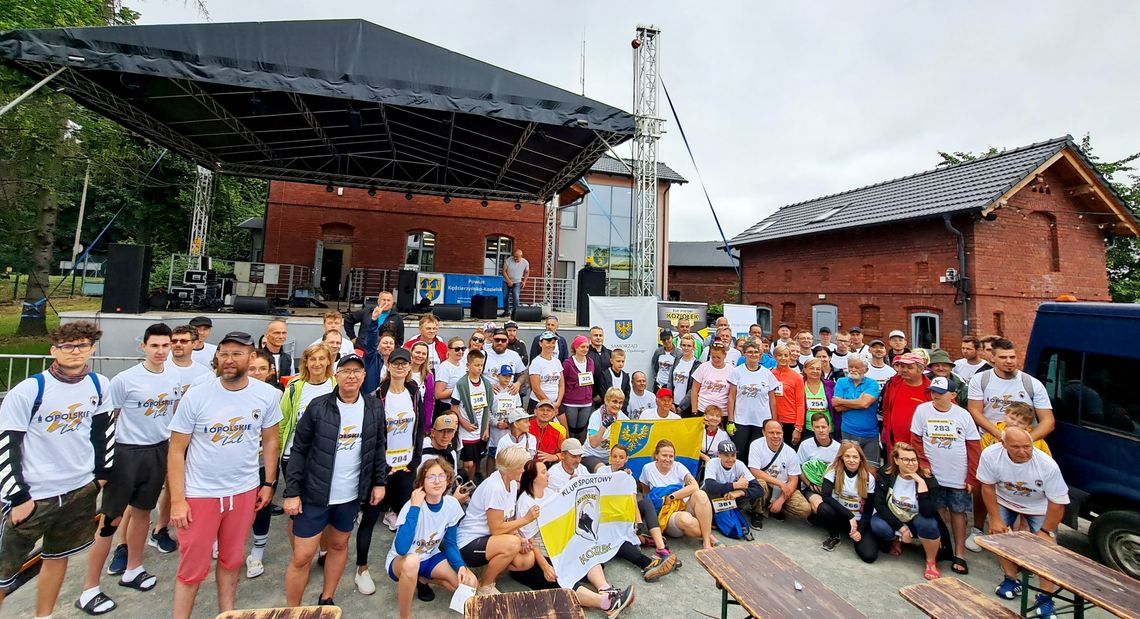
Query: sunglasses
500,339
459,348
478,340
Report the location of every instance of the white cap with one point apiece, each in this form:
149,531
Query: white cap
897,333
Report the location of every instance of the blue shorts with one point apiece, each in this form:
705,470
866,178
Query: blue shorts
1008,516
314,518
957,500
426,567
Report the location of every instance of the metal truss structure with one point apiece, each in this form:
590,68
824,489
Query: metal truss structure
647,131
549,251
200,224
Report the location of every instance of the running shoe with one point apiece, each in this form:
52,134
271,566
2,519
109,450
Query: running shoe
1008,589
620,600
659,567
390,521
424,592
118,560
161,540
253,567
364,583
971,543
831,542
1044,606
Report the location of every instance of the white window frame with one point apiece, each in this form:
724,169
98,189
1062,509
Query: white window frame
914,316
419,243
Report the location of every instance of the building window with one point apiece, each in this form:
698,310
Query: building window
421,250
999,323
869,318
609,228
764,318
498,250
925,330
568,217
564,269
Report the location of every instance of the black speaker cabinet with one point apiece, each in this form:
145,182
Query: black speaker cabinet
528,313
591,283
484,306
128,275
447,311
252,305
406,291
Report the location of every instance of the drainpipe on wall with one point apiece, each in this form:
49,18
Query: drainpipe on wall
963,283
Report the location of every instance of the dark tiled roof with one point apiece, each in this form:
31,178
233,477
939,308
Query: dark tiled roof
968,186
609,165
699,254
253,223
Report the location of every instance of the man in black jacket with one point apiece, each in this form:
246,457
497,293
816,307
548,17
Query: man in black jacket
337,462
273,341
390,319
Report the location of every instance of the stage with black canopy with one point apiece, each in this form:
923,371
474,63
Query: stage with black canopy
342,102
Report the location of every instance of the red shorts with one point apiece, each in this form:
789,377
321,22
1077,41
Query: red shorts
226,520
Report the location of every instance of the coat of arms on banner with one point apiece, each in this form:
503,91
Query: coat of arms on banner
588,512
623,328
431,287
634,436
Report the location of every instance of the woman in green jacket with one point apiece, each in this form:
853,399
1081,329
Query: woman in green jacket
315,379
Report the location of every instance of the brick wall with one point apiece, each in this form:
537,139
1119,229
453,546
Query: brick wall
710,285
377,226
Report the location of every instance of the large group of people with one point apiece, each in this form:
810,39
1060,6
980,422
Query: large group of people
454,446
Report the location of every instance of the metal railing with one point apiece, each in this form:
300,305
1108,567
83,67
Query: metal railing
15,368
369,282
564,297
290,278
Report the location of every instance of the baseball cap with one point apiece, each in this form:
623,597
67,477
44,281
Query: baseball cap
489,327
824,330
939,384
445,422
940,356
510,324
572,446
666,334
502,332
547,335
855,330
726,447
910,359
506,370
349,358
544,403
398,354
896,333
664,392
238,336
201,321
518,414
784,324
876,342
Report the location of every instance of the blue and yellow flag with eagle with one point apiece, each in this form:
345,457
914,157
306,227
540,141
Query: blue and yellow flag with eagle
641,437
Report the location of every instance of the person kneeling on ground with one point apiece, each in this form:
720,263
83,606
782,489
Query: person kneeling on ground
609,599
905,507
847,486
646,525
425,550
685,507
816,453
728,478
777,466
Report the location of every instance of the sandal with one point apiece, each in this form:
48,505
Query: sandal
896,548
139,582
931,572
958,564
96,602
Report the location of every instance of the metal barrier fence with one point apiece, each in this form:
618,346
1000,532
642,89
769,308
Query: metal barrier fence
564,298
15,368
291,277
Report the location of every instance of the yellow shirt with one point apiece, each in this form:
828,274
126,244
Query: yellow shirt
988,439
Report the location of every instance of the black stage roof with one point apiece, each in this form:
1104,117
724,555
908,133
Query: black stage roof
344,102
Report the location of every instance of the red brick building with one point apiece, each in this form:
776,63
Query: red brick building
701,271
1032,223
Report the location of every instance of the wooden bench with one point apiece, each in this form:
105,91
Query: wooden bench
545,604
950,598
763,582
300,612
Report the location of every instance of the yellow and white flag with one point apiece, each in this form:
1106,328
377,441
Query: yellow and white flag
586,523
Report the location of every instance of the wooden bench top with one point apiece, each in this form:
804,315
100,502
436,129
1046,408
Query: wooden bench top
950,598
762,579
1105,587
546,604
300,612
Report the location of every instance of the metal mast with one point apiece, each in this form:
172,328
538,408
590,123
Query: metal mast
200,224
646,133
550,252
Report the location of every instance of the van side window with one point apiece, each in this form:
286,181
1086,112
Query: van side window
1058,369
1108,394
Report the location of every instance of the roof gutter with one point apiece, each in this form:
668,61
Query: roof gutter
963,284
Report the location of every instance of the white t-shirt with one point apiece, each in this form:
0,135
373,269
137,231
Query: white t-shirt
558,477
345,483
664,367
1025,488
839,362
481,408
491,494
431,527
1001,391
965,370
880,375
549,372
783,466
309,392
710,443
202,379
527,441
449,373
681,371
654,478
505,402
944,437
400,421
850,496
146,401
205,355
651,414
225,436
495,362
904,496
639,403
606,469
715,470
57,449
811,450
593,427
190,373
752,389
531,531
345,344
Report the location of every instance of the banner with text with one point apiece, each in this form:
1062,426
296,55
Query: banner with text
740,317
629,323
669,312
459,288
585,523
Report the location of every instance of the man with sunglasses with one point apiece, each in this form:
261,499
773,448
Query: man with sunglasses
56,451
501,355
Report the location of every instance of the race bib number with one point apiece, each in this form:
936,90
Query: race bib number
723,505
478,400
505,406
816,405
941,429
398,458
779,390
851,504
585,379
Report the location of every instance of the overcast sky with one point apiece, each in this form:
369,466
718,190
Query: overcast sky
789,101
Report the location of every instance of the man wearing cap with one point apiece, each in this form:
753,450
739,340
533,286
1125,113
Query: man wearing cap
941,365
663,360
569,464
203,351
783,336
897,341
879,370
662,409
948,443
337,463
440,441
548,433
640,397
561,352
857,345
212,471
515,344
825,339
729,478
902,395
499,356
519,434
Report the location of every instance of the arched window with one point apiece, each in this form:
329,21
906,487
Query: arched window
498,250
421,250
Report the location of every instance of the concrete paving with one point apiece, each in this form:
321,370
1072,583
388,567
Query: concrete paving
689,592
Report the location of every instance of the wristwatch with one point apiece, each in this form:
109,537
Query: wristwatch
1052,534
268,484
